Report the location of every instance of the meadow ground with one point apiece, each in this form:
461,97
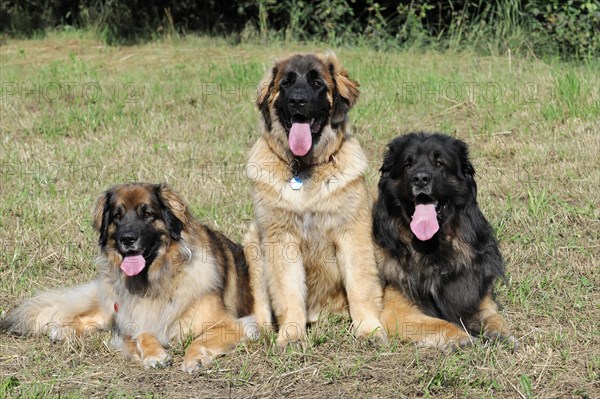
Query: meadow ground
78,116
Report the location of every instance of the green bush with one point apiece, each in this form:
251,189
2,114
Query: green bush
573,25
567,28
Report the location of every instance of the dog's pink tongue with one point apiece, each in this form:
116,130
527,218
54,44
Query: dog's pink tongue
424,222
300,139
133,265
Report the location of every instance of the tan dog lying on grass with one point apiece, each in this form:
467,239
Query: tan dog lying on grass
162,275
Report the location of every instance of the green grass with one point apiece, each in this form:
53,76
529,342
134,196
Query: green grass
183,112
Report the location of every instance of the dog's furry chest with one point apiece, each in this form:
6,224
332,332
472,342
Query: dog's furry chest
327,187
445,282
158,310
321,192
137,314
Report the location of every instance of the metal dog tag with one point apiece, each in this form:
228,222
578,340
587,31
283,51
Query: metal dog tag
296,183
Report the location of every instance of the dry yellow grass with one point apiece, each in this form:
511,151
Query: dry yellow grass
182,112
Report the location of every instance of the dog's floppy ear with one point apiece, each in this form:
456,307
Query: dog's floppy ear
174,210
466,168
101,216
345,90
394,150
388,159
265,89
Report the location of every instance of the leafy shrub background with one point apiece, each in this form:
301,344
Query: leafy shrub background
544,27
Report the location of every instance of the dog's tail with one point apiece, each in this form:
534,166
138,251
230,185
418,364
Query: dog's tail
60,313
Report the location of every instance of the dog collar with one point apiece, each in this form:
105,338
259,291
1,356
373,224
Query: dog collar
296,167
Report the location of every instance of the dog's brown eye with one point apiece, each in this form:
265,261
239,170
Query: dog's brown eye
317,83
117,216
147,214
440,163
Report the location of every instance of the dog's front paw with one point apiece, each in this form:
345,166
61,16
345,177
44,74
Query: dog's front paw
373,332
192,365
252,329
509,340
197,356
291,336
161,359
460,342
57,332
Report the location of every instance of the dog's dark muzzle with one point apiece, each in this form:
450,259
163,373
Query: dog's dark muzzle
129,241
421,182
129,237
298,105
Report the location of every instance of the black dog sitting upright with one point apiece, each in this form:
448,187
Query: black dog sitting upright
437,255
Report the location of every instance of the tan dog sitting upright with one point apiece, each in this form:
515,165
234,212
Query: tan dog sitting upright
309,246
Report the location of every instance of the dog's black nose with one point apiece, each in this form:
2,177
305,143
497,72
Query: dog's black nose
298,99
128,238
421,179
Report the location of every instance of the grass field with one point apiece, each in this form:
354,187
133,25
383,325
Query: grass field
78,116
